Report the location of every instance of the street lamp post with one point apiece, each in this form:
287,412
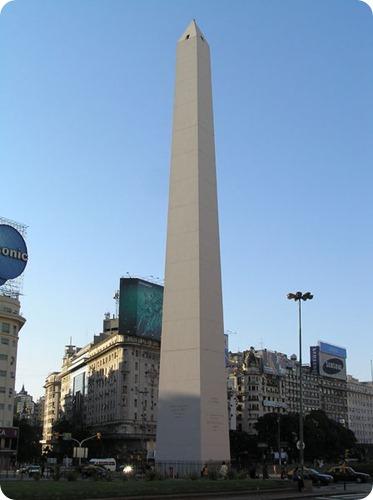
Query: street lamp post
298,297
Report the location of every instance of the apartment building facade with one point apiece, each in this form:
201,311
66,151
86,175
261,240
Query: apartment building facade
52,400
11,322
360,409
111,386
263,381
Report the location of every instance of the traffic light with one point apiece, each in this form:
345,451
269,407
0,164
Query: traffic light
98,435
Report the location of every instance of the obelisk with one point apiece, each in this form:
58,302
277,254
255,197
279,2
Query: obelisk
192,425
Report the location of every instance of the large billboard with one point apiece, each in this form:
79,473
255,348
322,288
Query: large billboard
13,253
140,308
332,361
275,363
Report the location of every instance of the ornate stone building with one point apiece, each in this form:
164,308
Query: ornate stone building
109,386
263,381
11,322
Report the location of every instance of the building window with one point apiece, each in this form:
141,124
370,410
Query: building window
5,327
2,390
4,341
2,373
3,357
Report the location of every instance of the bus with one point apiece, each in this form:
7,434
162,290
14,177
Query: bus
109,463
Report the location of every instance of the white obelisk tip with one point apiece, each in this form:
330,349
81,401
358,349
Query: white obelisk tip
192,31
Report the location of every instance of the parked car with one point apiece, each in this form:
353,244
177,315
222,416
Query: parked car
318,477
345,473
315,476
94,471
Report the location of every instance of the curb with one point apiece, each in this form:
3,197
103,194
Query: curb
295,495
198,494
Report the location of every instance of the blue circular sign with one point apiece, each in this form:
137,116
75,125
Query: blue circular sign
13,253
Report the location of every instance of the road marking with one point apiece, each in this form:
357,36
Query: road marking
351,496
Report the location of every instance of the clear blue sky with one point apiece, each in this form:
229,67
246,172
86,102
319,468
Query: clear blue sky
86,92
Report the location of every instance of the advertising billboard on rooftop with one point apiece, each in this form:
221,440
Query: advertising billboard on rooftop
332,361
140,308
333,350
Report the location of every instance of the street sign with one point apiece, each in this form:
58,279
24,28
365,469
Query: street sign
262,445
299,445
80,452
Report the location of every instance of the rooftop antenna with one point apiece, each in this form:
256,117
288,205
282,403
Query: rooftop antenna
231,332
116,298
71,341
371,369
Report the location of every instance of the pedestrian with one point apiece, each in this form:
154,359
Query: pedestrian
298,477
204,471
224,470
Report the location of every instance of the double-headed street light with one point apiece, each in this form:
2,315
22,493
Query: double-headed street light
298,297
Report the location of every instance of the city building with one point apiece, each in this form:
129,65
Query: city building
24,406
263,381
360,409
39,411
52,397
111,384
258,380
11,322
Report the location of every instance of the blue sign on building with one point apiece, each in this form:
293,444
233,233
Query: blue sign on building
333,350
13,253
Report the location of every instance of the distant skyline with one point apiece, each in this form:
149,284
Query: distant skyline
86,97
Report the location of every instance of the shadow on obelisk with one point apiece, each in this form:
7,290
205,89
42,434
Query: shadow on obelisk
197,443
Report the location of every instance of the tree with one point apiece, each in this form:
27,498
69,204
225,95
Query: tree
323,437
62,448
29,448
268,427
243,447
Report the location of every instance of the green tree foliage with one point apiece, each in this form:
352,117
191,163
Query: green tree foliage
243,447
29,448
323,437
62,448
